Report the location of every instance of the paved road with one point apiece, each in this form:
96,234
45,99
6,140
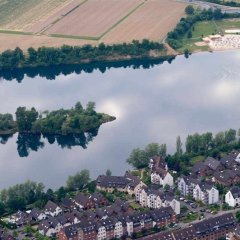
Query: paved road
207,5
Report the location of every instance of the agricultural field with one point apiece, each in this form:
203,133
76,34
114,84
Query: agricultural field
153,20
20,14
94,17
34,23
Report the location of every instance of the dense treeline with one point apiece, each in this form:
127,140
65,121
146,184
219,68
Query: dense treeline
31,194
185,25
206,144
47,56
60,122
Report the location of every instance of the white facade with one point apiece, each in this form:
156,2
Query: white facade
118,230
101,233
130,228
238,158
230,200
183,187
54,212
154,201
209,196
213,196
157,179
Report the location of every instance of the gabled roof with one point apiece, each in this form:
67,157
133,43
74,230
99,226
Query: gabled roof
35,213
112,181
82,199
235,191
212,224
158,162
185,234
199,167
161,172
212,163
68,203
50,206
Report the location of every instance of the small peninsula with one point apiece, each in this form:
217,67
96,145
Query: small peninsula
59,122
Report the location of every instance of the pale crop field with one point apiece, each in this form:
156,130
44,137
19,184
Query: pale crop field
94,18
153,20
21,14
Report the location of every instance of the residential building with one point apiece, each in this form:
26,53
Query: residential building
206,193
52,209
232,197
161,177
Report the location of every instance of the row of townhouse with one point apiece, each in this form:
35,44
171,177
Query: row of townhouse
51,209
119,226
210,229
52,225
128,183
155,199
200,190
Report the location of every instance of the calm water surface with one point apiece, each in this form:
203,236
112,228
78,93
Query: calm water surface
151,105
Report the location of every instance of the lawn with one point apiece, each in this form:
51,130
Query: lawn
228,24
205,28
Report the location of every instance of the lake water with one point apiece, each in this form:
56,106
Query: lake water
198,94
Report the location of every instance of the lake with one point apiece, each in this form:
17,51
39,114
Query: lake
153,104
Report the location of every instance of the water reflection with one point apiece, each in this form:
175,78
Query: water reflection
197,94
52,72
27,142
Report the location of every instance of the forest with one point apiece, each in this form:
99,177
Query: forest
76,120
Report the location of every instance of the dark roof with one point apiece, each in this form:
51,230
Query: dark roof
185,234
211,225
161,172
35,213
225,176
199,167
50,206
160,236
235,191
228,160
212,163
205,185
112,181
68,203
158,162
162,213
70,231
82,199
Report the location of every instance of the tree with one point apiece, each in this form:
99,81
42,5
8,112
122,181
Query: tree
152,149
163,150
50,195
179,150
138,158
108,172
25,118
189,35
189,10
61,193
79,180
